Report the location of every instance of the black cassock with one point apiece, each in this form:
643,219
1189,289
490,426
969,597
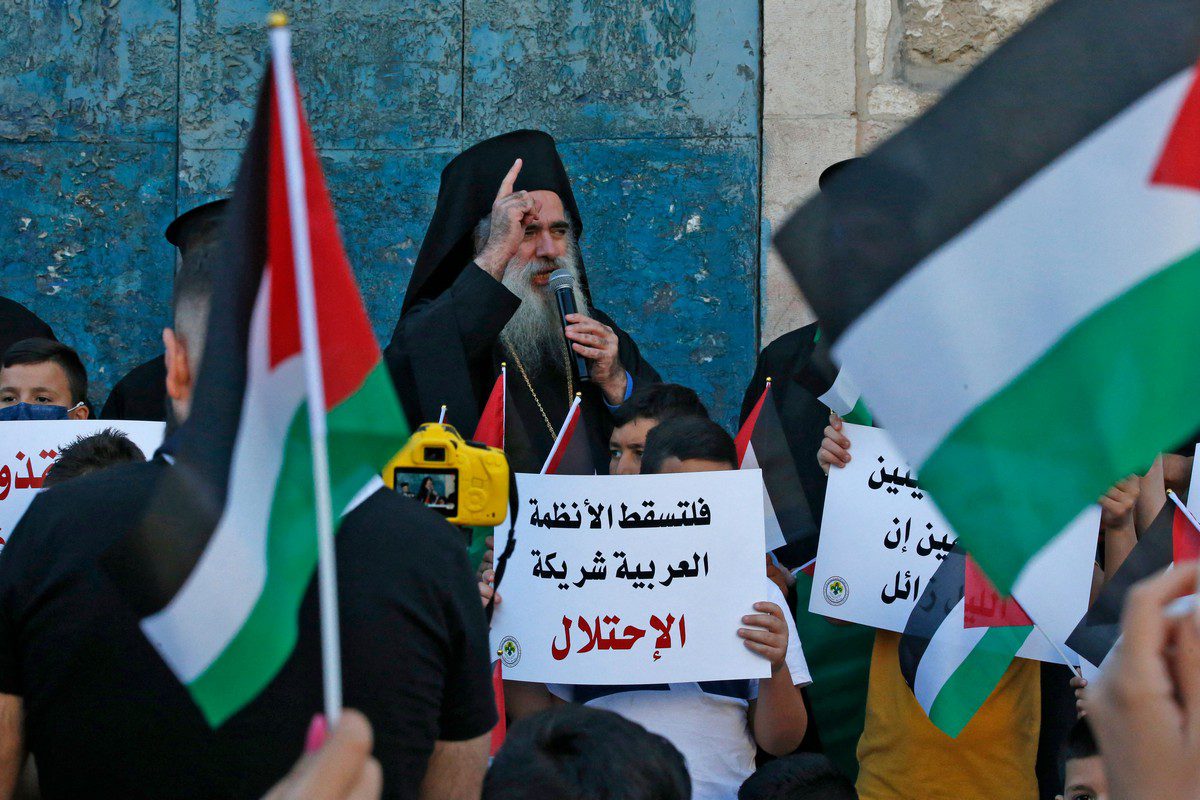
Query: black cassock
17,322
446,346
141,394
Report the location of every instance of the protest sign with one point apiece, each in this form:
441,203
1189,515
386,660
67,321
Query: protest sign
28,449
633,579
882,538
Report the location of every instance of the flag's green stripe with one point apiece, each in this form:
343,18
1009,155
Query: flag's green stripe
860,414
839,659
1117,388
478,546
972,683
365,431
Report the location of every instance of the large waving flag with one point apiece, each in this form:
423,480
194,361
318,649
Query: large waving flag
761,444
218,569
1011,278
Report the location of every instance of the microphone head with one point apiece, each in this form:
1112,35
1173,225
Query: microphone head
561,279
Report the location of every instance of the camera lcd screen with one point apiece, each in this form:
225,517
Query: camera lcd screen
433,488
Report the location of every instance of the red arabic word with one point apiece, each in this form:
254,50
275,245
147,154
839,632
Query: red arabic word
600,639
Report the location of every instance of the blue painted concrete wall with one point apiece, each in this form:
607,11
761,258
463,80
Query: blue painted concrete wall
115,115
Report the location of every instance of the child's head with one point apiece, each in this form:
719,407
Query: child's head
647,407
573,752
688,444
1083,765
42,379
803,776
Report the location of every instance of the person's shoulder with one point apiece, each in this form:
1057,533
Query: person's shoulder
85,512
388,524
790,348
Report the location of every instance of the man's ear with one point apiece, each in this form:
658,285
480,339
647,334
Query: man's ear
179,371
78,413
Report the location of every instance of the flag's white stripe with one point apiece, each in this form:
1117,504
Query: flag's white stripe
560,440
842,395
979,311
216,599
772,529
947,650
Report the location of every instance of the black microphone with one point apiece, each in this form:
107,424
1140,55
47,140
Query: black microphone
562,283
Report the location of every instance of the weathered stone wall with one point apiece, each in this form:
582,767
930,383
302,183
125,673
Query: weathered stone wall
842,75
116,115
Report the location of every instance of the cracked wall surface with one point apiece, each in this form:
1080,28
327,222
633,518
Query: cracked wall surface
117,114
839,77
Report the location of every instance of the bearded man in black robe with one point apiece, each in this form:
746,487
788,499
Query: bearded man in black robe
479,297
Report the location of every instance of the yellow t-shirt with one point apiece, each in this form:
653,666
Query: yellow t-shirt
902,756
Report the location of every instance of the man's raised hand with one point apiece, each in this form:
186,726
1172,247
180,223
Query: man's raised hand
598,343
510,212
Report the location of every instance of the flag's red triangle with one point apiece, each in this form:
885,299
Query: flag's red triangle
742,440
490,430
1179,164
984,607
349,350
1185,539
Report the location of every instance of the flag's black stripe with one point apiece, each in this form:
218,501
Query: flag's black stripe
783,483
943,592
152,562
1100,628
1070,71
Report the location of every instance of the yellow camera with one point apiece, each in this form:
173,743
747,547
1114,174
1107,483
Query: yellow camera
464,481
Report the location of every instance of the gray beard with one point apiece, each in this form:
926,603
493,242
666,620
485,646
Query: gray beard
534,335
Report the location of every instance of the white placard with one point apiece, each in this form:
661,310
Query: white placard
28,448
882,538
632,579
1193,498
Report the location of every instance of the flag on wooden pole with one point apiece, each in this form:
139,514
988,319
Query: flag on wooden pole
293,416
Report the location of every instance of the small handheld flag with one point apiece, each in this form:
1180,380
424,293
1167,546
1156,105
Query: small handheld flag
292,417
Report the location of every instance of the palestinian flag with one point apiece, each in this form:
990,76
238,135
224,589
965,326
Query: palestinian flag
222,560
1011,279
832,386
1169,539
570,454
790,527
953,669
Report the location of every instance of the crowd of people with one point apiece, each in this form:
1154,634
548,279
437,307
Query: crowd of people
87,708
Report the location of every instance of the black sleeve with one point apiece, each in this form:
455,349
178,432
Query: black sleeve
440,344
468,706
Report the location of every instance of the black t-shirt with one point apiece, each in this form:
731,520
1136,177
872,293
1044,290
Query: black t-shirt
105,717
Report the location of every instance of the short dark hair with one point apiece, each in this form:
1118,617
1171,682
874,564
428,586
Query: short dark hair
686,438
1080,743
578,753
87,454
811,776
39,351
660,402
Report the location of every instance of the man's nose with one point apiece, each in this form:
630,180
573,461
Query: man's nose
547,247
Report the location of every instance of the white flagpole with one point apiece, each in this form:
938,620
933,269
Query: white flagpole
442,415
558,441
289,124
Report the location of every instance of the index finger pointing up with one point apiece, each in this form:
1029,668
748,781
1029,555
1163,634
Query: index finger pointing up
506,185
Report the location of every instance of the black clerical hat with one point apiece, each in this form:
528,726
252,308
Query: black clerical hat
833,169
468,188
196,226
